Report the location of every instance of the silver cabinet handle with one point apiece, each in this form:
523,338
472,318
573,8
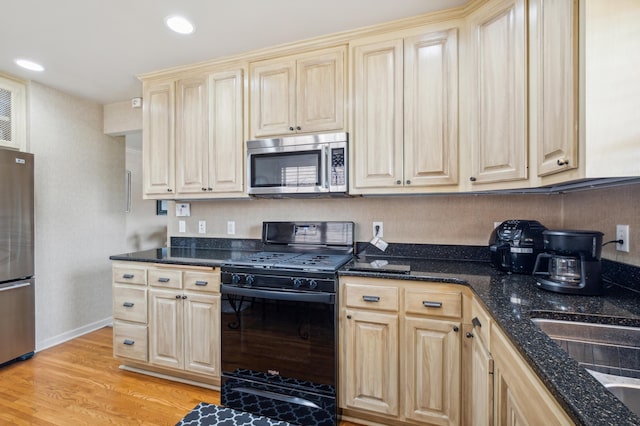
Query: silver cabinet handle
371,298
128,304
15,286
428,304
201,283
164,280
128,342
128,276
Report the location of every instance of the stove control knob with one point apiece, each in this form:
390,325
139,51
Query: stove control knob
249,280
297,282
235,279
313,284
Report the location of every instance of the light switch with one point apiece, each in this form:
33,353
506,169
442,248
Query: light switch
182,226
183,209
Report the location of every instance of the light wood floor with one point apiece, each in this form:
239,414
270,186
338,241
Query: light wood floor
79,383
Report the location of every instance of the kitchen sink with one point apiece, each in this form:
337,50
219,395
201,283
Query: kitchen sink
611,353
629,394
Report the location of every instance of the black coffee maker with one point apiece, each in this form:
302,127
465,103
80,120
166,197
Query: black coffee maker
571,262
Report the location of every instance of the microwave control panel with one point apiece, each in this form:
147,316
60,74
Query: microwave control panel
338,167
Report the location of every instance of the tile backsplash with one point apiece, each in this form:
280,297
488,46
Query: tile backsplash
435,219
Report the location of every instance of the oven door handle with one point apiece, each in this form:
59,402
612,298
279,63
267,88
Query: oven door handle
293,296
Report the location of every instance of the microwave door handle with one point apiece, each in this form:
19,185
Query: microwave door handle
325,167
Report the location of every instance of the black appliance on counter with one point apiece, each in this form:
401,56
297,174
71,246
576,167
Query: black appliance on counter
278,327
571,262
515,245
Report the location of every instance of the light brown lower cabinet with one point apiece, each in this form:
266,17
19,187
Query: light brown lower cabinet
520,398
400,351
503,390
167,320
425,353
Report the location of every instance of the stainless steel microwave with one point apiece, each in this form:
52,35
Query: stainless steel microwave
298,165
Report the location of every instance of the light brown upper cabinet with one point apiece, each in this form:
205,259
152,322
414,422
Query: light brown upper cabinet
13,105
498,92
209,129
553,82
193,135
302,93
158,139
405,111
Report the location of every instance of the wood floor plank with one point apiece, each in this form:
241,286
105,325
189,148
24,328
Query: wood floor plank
80,383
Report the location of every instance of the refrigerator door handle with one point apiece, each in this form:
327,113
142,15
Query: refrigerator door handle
15,286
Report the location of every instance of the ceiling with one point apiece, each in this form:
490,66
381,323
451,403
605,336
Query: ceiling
95,48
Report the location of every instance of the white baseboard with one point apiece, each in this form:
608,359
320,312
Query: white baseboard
72,334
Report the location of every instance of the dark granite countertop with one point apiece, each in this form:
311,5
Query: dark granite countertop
510,298
183,256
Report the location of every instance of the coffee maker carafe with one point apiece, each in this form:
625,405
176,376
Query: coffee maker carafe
571,262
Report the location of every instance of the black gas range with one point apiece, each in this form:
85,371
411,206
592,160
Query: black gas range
279,321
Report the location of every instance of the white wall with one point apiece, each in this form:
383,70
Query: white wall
79,208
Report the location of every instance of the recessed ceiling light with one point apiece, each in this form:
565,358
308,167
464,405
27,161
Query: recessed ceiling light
179,24
30,65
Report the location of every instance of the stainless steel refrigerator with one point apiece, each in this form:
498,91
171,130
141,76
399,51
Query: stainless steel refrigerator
17,279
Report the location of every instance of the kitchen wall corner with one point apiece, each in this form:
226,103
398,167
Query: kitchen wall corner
603,209
79,212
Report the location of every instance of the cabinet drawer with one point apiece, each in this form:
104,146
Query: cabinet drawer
437,303
168,278
371,297
481,322
130,341
130,303
202,281
129,275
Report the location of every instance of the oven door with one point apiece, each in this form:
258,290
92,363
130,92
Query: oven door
279,337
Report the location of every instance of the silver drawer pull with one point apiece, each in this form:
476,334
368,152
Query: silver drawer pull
164,280
128,304
128,276
128,342
428,304
201,283
371,298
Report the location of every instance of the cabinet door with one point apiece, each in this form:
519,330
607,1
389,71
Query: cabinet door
13,124
192,135
158,140
520,397
370,364
499,96
432,371
273,92
481,384
202,333
378,114
320,91
226,145
166,328
431,109
554,48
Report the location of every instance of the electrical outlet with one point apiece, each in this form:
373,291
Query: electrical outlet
202,227
231,227
378,230
182,226
622,233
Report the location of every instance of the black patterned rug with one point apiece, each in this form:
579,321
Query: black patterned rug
208,414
